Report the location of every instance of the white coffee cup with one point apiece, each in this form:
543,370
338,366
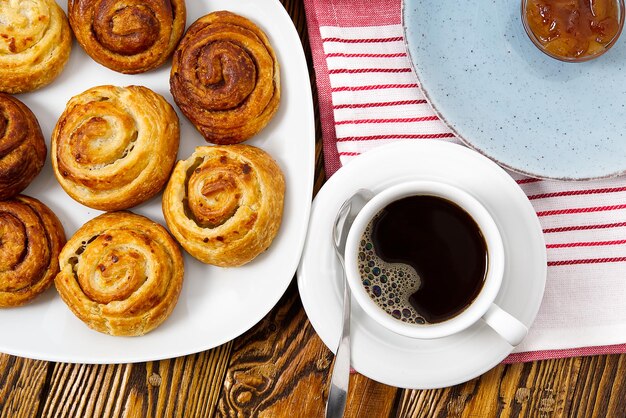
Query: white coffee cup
483,306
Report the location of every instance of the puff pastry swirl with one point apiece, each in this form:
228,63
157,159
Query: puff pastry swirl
224,204
35,44
31,238
128,36
114,147
225,78
121,274
22,147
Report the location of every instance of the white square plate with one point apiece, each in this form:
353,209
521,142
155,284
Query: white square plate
216,304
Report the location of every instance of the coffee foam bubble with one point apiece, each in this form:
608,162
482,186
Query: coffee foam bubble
388,284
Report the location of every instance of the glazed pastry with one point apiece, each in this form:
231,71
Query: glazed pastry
31,238
225,78
35,43
224,204
121,274
22,147
114,147
128,36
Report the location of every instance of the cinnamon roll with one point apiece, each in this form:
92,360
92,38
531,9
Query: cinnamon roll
35,44
128,36
114,147
225,78
22,147
224,204
121,274
31,238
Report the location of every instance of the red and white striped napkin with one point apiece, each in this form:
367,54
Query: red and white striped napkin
369,96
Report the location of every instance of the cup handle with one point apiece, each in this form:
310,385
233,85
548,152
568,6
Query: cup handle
505,324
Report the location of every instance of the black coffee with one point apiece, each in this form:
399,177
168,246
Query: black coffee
423,259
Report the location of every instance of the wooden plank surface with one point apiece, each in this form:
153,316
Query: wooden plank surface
22,386
181,387
280,368
575,387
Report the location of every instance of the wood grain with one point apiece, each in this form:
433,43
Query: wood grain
22,383
574,387
181,387
368,398
278,367
281,367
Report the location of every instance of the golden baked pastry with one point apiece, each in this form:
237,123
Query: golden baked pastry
225,78
35,43
121,274
22,147
31,238
114,147
224,204
128,36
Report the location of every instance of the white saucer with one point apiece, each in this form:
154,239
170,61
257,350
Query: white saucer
401,361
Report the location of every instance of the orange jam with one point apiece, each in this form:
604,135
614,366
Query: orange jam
573,29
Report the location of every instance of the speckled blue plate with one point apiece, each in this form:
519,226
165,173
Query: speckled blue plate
505,98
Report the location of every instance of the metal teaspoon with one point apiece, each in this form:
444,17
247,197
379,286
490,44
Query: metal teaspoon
336,403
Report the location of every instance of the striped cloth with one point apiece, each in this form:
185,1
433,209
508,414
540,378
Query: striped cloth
369,96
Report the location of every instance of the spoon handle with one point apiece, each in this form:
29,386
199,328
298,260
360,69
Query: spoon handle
340,378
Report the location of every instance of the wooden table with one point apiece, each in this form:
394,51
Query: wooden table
281,368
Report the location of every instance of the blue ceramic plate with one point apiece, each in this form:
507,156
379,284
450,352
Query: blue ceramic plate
505,98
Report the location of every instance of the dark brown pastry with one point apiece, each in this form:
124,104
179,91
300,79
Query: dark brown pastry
121,274
22,147
225,78
224,204
31,240
128,36
35,44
